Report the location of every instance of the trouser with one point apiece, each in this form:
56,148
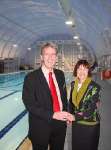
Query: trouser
85,136
56,137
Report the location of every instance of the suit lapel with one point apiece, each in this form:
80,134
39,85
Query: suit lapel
45,85
43,82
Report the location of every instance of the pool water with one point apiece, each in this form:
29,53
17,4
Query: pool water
13,116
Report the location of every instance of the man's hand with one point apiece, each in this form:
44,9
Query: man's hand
63,116
70,118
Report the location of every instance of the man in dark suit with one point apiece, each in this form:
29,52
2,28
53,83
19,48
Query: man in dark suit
47,124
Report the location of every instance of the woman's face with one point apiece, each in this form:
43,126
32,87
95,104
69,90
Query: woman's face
82,73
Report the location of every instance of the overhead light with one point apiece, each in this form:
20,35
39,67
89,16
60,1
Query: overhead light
69,22
78,43
80,47
75,37
29,49
15,45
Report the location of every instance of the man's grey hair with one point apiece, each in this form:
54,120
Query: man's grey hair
49,44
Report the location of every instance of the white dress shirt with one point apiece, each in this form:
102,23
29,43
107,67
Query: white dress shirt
46,74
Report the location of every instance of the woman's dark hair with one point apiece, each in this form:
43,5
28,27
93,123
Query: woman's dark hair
85,64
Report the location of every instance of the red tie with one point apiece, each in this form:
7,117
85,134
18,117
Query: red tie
56,106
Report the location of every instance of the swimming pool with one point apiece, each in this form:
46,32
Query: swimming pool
13,116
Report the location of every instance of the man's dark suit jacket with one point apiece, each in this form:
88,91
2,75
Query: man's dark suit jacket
37,99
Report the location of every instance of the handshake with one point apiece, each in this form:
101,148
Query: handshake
64,116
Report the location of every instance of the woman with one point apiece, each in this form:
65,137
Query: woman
84,100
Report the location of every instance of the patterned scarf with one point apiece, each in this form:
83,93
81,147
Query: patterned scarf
78,95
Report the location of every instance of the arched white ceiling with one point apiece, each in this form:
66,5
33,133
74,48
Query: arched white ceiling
27,21
92,21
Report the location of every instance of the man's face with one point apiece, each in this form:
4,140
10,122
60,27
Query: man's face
49,57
